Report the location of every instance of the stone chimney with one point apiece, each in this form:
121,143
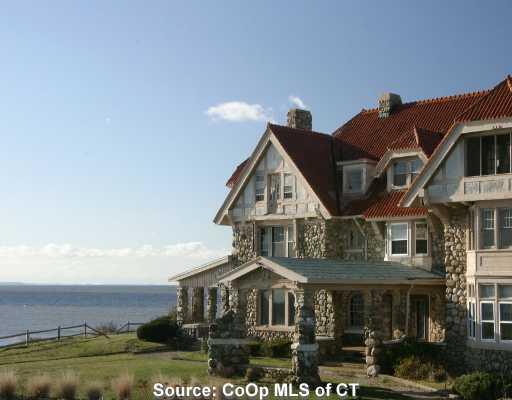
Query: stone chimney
387,102
300,119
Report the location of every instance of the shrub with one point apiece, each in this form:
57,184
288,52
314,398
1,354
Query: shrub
67,385
277,348
413,368
160,330
253,374
476,386
255,349
38,387
94,391
123,386
8,384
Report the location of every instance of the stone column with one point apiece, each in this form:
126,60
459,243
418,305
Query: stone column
305,348
372,331
398,315
181,304
197,304
211,305
224,298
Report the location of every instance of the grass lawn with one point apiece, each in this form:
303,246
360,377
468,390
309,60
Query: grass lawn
102,359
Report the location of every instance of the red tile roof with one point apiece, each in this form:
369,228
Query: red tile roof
415,138
496,104
236,174
387,207
368,136
312,152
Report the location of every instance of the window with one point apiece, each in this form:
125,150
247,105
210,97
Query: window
291,308
355,180
416,165
278,249
488,155
357,310
472,319
260,187
505,222
487,227
288,186
264,306
275,187
276,307
399,234
400,173
277,241
505,309
487,292
421,238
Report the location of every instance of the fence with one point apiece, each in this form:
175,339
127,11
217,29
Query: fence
62,332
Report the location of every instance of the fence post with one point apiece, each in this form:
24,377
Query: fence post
128,327
27,337
58,333
85,328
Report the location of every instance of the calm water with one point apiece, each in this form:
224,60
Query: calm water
46,307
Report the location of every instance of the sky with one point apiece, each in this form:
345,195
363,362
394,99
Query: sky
121,121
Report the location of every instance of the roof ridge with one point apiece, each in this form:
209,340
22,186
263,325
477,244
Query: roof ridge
437,99
298,129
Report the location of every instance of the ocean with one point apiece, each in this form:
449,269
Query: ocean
35,307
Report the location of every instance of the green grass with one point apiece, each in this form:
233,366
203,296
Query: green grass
102,359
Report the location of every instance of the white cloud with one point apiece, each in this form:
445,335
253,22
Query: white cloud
196,250
297,101
238,111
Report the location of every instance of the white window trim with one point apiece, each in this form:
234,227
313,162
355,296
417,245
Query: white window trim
390,244
270,324
346,171
506,301
286,239
488,321
293,185
408,173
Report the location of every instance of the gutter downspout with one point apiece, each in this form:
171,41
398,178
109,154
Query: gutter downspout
408,309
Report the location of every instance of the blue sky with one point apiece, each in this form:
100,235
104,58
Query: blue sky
111,166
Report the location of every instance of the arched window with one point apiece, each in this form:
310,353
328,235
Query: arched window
357,310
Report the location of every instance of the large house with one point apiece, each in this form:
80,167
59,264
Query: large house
403,216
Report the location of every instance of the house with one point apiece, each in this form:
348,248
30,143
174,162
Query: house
399,221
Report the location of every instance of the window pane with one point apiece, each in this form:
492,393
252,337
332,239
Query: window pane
505,291
505,215
487,312
486,291
264,304
488,330
421,239
278,241
473,156
288,186
488,227
399,247
503,153
400,173
399,231
264,241
416,165
357,311
291,241
355,180
506,331
488,155
421,247
291,308
505,312
278,304
260,187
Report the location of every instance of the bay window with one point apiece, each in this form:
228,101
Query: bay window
505,309
487,323
505,224
496,228
488,227
277,241
488,155
276,307
399,238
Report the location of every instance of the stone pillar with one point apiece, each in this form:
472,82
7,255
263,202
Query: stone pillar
197,304
398,315
224,298
305,348
182,304
211,305
372,331
234,300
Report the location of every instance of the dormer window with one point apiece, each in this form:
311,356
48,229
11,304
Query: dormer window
355,180
404,172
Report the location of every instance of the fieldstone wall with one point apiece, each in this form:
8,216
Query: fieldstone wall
496,361
437,317
211,305
181,304
324,312
455,262
311,239
438,245
197,304
244,243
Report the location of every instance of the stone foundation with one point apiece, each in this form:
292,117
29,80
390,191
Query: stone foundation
496,361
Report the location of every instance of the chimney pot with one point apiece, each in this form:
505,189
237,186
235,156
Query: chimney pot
300,119
387,102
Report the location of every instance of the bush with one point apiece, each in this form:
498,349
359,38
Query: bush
123,386
277,348
67,385
8,384
160,330
253,374
413,368
476,386
38,387
255,349
94,391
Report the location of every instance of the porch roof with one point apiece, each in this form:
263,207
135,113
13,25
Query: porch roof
327,271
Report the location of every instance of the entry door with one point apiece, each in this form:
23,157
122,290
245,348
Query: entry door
419,316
